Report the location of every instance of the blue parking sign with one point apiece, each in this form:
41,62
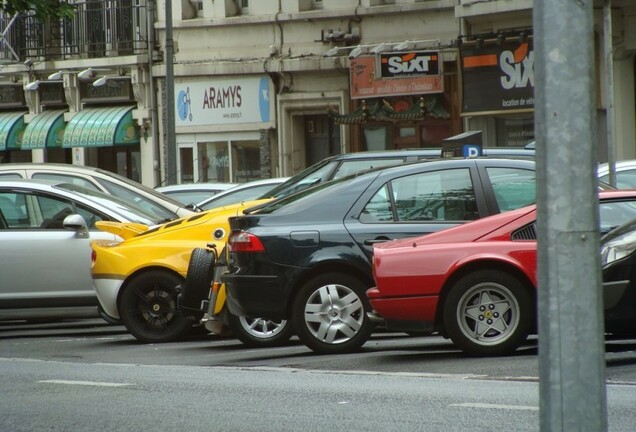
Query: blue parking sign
471,150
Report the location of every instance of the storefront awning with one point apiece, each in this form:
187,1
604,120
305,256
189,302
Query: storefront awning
381,110
101,127
45,130
11,127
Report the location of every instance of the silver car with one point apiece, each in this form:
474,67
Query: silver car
98,179
45,257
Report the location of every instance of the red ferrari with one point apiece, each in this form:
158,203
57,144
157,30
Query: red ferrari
474,283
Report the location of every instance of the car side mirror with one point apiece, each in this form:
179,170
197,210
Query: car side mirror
76,223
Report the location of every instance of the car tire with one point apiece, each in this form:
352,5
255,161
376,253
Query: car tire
148,308
329,314
260,332
488,313
198,281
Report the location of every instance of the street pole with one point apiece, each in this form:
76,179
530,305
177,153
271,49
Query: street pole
609,73
171,144
571,341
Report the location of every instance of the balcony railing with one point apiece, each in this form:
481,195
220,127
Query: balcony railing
99,28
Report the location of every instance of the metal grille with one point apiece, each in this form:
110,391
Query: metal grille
529,232
102,28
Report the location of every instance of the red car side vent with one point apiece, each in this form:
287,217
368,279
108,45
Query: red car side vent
241,241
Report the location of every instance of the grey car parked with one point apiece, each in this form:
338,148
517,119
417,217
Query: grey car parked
45,257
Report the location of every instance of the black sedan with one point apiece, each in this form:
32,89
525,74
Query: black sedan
307,257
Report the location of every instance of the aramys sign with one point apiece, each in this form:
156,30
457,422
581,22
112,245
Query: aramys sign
205,102
498,78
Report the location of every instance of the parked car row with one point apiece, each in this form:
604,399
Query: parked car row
326,255
154,260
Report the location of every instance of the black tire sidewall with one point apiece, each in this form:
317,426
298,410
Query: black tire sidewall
199,277
249,340
526,311
177,327
298,314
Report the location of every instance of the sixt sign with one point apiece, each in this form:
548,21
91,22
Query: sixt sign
408,64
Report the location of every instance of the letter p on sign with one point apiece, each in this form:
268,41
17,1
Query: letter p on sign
471,150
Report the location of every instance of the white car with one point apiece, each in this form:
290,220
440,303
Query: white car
45,257
625,173
101,180
242,192
192,193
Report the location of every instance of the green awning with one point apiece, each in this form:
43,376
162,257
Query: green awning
101,127
11,128
45,130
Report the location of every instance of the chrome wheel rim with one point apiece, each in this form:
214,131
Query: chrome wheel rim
334,314
488,313
261,328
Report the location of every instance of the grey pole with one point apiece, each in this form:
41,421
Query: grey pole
609,73
171,144
571,355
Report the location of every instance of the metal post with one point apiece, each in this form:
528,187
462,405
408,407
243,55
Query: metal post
171,144
609,73
571,355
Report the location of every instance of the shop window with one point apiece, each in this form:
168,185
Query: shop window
514,132
214,162
123,160
234,162
376,137
246,161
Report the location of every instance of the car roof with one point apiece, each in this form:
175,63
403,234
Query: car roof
240,186
57,188
432,152
196,186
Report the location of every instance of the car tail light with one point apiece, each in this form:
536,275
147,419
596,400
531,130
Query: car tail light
93,257
241,241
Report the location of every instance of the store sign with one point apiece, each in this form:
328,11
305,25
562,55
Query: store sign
498,78
114,90
205,102
11,96
410,64
393,74
52,94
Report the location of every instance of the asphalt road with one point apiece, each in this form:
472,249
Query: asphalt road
89,376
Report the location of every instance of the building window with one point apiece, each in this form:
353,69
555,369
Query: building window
234,162
245,4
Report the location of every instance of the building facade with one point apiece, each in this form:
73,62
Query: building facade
265,88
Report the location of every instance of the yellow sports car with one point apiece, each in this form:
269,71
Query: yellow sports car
138,280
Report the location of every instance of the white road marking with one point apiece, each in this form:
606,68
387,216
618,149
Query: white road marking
496,406
86,383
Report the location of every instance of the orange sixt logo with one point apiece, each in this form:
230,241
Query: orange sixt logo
518,67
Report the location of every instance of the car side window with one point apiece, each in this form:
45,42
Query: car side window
615,213
13,209
353,166
513,187
53,211
444,195
6,176
378,208
63,178
138,199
